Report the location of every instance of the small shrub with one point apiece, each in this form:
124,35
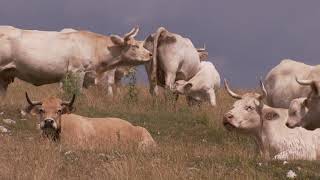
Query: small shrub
70,85
132,94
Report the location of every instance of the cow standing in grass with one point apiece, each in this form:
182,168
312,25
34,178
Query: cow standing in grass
44,57
175,58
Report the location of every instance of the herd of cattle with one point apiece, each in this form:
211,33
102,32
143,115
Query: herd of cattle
283,119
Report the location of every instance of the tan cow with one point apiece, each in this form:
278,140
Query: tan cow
44,57
57,123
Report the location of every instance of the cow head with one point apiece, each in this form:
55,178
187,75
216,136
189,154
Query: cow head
49,112
297,109
246,111
182,87
132,51
305,112
203,53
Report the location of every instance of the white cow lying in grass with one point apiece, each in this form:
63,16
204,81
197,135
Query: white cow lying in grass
267,125
57,123
202,86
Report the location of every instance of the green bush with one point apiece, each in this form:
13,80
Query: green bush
70,85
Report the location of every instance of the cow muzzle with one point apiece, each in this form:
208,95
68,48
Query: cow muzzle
226,121
48,123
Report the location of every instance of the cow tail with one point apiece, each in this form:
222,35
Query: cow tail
153,76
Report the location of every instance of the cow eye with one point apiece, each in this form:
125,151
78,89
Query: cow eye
135,46
249,108
59,111
41,111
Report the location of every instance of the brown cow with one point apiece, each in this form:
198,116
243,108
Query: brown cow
57,123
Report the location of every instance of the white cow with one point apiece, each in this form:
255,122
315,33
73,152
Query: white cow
202,86
275,140
43,57
112,79
305,112
175,58
281,84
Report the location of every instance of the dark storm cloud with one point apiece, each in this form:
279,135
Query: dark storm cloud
245,38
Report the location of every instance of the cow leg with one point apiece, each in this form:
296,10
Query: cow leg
212,97
109,90
80,79
6,77
3,88
110,83
117,85
169,80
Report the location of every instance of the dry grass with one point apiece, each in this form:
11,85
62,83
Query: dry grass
192,143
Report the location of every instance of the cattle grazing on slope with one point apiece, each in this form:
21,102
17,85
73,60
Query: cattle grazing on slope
175,58
202,86
44,57
305,112
267,125
57,123
281,84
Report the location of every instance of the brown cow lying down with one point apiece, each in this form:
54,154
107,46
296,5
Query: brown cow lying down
57,123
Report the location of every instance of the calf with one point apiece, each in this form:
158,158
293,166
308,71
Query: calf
305,112
57,123
267,125
202,86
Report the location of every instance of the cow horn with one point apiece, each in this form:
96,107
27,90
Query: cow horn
132,33
304,82
202,49
230,92
34,103
264,91
70,103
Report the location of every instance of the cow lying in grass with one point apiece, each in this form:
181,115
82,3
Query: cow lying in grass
57,123
275,140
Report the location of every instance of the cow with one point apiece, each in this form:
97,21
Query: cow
266,124
111,79
44,57
57,123
281,85
175,58
305,112
202,86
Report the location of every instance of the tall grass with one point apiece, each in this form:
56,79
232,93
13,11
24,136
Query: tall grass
192,142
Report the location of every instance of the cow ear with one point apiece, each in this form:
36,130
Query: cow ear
33,110
316,88
67,109
269,114
203,55
187,87
117,40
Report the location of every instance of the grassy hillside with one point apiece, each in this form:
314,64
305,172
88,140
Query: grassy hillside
192,142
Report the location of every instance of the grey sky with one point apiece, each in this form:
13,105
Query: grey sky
245,38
